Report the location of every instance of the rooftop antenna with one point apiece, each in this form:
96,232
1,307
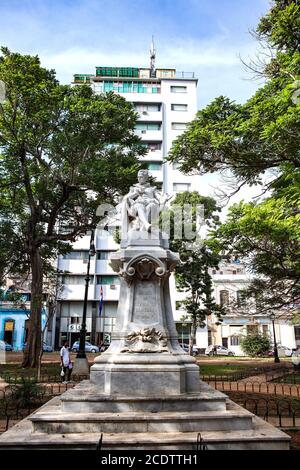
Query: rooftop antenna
152,59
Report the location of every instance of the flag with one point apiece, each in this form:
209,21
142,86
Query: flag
101,301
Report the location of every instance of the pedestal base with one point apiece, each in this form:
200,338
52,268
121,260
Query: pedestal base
77,419
81,366
149,374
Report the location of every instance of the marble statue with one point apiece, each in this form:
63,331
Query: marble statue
140,208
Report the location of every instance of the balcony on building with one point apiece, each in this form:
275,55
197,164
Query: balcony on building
154,151
75,262
149,131
103,266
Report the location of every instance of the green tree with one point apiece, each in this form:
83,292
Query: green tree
255,345
256,142
197,258
63,151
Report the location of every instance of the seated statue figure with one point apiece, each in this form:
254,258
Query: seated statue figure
141,206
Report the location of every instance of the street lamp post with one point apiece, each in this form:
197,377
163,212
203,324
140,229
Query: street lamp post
81,366
276,357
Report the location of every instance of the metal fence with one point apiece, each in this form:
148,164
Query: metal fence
24,394
17,378
270,373
272,388
282,412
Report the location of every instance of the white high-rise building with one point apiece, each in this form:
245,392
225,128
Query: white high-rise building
166,101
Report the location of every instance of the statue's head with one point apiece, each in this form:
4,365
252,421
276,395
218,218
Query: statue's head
143,176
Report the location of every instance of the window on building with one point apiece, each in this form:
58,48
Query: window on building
76,280
183,330
152,146
265,330
104,255
178,89
76,255
241,297
181,187
224,297
297,332
147,107
234,340
148,126
154,166
131,87
252,329
179,107
108,280
179,126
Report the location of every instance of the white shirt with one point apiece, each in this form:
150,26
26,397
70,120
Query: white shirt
64,353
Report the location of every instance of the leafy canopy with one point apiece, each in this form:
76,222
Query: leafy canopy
257,141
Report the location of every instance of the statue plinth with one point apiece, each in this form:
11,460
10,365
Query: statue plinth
145,358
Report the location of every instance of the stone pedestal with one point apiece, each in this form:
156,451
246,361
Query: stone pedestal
144,354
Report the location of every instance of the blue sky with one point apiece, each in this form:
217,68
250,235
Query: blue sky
204,36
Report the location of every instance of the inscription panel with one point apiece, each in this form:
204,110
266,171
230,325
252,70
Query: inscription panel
145,305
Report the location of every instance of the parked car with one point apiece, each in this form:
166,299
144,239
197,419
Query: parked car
218,351
46,347
186,348
283,351
88,347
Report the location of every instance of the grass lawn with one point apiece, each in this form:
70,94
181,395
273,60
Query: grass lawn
223,369
17,370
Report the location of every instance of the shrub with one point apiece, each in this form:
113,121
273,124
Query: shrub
255,345
27,392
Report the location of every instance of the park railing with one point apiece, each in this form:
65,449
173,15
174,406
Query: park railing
272,388
270,373
18,377
280,412
20,399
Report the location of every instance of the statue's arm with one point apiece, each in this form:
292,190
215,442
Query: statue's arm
133,193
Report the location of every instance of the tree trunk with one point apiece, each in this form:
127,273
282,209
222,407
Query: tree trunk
192,336
33,346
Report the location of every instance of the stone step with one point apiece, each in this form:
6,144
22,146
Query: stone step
139,422
263,436
88,400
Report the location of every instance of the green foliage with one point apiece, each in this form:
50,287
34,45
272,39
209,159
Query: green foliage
255,345
63,151
27,392
196,259
259,141
266,236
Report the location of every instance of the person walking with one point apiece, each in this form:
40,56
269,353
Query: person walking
65,362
